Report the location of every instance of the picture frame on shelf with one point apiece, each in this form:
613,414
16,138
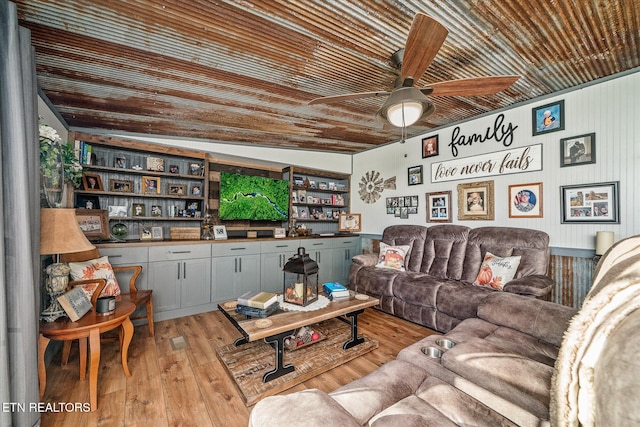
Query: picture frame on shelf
138,209
146,233
196,189
476,201
439,207
193,208
87,201
176,189
430,146
120,161
578,150
94,223
414,174
590,203
548,118
195,169
121,185
151,184
525,200
117,211
174,169
350,222
157,233
279,233
219,232
156,210
155,164
92,182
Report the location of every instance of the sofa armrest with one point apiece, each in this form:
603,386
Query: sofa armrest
310,408
365,260
537,285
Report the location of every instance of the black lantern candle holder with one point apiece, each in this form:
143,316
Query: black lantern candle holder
301,287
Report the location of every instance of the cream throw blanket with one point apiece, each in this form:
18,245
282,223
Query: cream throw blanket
614,295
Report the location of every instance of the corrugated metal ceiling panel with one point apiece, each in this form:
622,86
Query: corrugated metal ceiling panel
243,72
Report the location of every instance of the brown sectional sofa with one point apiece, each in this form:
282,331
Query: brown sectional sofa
519,362
443,261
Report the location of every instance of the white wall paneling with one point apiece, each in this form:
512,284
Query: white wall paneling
610,109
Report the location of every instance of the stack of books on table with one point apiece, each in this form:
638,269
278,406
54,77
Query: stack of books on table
257,304
335,290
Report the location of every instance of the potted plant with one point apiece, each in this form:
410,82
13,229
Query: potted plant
58,166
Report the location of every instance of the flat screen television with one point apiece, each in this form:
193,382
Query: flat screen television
253,197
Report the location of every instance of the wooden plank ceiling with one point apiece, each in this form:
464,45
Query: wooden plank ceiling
243,71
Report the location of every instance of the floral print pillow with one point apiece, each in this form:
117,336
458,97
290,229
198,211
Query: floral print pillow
495,272
96,269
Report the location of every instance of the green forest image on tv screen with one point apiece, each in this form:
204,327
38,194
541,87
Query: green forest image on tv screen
253,197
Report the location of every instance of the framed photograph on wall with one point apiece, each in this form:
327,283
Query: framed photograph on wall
439,206
430,146
350,222
525,200
475,201
590,203
548,118
578,150
415,175
94,223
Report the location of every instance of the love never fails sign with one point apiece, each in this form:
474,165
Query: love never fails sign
516,160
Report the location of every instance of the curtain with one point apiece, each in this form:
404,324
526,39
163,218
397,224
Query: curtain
19,222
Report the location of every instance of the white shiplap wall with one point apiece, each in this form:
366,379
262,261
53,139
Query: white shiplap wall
610,109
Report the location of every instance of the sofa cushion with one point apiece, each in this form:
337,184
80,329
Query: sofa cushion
417,288
411,235
393,257
501,371
531,245
371,394
460,300
544,320
312,408
376,281
444,250
495,272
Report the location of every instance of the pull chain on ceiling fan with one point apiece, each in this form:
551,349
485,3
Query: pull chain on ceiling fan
408,104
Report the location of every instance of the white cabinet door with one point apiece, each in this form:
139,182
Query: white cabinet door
344,250
164,279
223,276
271,274
248,274
195,289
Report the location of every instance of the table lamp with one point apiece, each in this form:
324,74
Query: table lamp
59,234
604,240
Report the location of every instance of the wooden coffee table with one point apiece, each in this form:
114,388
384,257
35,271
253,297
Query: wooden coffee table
284,323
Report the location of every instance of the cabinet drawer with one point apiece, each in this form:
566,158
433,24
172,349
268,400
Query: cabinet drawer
283,246
124,255
314,244
169,253
235,248
346,242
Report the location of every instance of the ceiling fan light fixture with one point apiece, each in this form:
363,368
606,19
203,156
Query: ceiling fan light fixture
405,106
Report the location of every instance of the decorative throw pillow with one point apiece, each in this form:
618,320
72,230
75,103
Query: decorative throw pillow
96,269
495,272
392,256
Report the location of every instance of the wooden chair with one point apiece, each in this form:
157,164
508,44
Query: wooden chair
138,297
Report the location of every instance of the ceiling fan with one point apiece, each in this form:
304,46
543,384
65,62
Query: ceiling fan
406,104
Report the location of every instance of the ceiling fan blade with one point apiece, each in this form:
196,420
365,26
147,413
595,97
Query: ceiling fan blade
346,97
477,86
423,43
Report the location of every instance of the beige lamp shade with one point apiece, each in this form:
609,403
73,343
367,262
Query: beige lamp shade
604,240
60,232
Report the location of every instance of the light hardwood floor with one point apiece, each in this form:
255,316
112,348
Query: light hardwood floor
189,387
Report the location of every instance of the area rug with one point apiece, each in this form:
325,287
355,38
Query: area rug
246,364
